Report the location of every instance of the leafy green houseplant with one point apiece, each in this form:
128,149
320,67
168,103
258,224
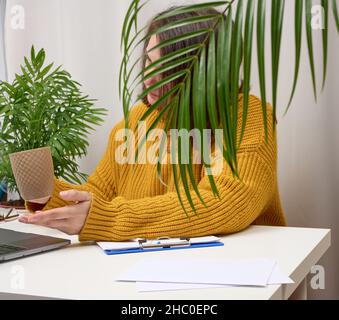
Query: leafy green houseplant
45,107
209,84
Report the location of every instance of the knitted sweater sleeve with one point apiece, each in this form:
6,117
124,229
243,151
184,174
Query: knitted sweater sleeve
241,200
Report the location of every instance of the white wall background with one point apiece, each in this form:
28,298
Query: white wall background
84,36
3,70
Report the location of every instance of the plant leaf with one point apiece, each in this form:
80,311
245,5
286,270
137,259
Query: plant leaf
184,147
308,8
277,20
44,72
248,41
261,26
335,13
176,39
161,83
224,86
236,54
190,8
211,84
324,4
298,15
184,22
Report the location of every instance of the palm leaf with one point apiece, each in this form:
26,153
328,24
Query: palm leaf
130,20
190,8
199,110
162,114
211,84
183,157
248,41
164,68
223,87
184,22
277,18
169,26
161,83
174,148
179,38
210,73
235,70
186,125
308,7
335,13
45,107
261,26
324,4
299,5
168,58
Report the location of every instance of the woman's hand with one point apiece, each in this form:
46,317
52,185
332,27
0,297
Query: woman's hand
69,219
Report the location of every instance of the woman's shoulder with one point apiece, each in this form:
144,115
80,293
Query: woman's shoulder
135,114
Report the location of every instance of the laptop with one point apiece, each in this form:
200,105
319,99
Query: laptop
14,245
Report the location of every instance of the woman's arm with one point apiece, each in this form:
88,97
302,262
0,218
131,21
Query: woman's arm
240,203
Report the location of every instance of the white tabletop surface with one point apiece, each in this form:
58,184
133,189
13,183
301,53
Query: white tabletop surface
83,271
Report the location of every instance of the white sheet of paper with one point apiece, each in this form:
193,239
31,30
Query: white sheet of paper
118,245
277,277
204,239
248,272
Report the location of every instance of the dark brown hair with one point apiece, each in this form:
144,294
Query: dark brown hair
170,34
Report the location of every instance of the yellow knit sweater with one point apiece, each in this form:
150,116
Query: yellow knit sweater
129,201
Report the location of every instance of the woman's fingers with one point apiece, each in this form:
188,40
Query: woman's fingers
42,217
59,224
75,195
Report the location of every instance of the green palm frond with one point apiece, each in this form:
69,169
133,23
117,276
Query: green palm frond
309,34
210,72
299,7
335,13
277,19
45,107
325,6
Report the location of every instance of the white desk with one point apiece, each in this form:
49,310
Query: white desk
83,271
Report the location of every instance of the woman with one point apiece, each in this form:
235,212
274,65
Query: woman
124,201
